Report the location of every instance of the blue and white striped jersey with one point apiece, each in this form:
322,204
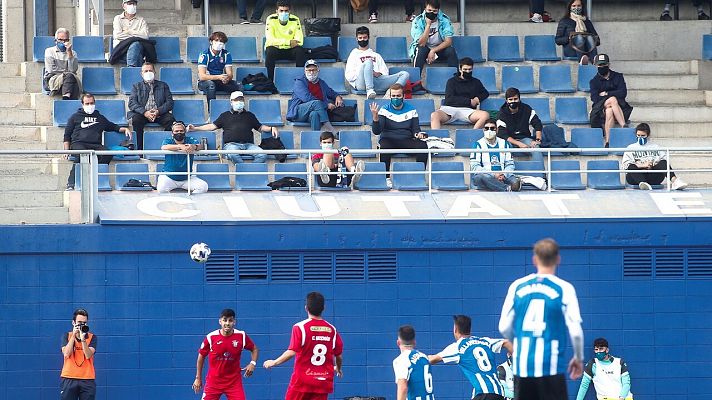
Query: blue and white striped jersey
475,356
413,366
537,313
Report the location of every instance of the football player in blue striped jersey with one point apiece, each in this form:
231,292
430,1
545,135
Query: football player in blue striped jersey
412,369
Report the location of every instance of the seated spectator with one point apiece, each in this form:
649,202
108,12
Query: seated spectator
366,70
576,33
238,125
215,68
332,161
283,38
180,143
432,37
85,131
493,170
150,101
608,93
645,156
60,62
373,11
256,17
463,95
665,16
311,99
513,121
128,27
399,127
537,13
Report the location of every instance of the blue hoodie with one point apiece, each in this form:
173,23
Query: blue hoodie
418,27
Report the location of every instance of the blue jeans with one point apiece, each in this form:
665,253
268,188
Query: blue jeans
535,156
256,14
313,111
237,159
134,55
366,80
211,87
488,181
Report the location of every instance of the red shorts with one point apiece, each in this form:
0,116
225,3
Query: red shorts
233,393
294,395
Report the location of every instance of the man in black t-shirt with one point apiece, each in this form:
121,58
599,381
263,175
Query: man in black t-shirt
237,125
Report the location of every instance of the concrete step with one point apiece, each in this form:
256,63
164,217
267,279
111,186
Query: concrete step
9,70
655,67
14,100
663,82
40,198
172,29
679,130
31,182
18,116
22,145
666,97
27,166
19,133
672,113
34,215
114,6
13,84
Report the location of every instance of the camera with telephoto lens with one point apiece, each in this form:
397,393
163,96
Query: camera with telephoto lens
83,327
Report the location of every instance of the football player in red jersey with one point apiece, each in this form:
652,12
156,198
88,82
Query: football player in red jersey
223,348
318,348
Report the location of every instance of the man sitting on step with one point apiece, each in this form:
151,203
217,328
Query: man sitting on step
60,63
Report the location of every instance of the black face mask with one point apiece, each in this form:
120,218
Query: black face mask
178,137
363,43
431,15
467,75
603,71
513,105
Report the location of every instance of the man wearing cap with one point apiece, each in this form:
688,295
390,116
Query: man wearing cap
609,375
311,99
128,25
283,38
238,125
608,93
215,68
180,143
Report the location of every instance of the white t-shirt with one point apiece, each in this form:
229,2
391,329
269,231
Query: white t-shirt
434,35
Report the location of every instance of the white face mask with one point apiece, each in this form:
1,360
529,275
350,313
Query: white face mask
489,135
283,16
217,45
237,105
89,108
312,76
131,9
327,146
148,76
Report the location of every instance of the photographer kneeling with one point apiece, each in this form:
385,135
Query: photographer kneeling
78,347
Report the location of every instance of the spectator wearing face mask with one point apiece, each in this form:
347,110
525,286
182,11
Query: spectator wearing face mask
182,161
576,33
238,127
463,95
283,38
311,99
514,120
608,93
493,170
329,161
665,16
215,68
643,156
432,34
61,67
127,26
609,374
150,101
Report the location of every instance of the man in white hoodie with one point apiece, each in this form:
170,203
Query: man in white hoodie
645,156
366,70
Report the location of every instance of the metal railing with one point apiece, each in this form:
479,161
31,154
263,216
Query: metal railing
93,9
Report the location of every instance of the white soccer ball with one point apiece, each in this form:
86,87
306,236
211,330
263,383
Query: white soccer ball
200,252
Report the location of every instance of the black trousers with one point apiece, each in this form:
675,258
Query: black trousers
447,56
409,6
543,388
273,54
73,389
139,121
70,87
537,6
634,178
488,396
388,143
86,146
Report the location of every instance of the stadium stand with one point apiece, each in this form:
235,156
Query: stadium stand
179,79
571,110
312,42
468,46
39,45
562,180
466,138
129,76
520,77
540,48
89,48
98,80
392,49
555,79
707,47
603,180
219,183
449,182
413,181
622,137
541,107
254,182
284,78
346,44
357,140
503,49
137,171
167,49
242,49
585,74
190,111
436,78
373,182
588,138
488,77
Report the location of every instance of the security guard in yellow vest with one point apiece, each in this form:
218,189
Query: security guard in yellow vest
283,38
78,348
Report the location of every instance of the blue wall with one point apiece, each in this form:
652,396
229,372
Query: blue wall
150,305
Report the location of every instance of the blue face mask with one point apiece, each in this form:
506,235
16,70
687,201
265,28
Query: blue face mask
600,355
61,46
283,17
642,141
397,102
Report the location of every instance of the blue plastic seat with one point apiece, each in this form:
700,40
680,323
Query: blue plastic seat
287,138
194,45
436,78
242,72
360,140
189,111
488,77
540,48
450,182
527,168
571,110
412,181
112,139
520,77
373,182
312,42
243,49
138,171
503,48
62,110
707,47
103,180
39,45
167,49
113,110
392,49
129,76
367,116
425,107
293,170
334,77
152,140
251,182
585,74
284,78
566,181
98,80
466,138
541,107
267,112
588,138
622,137
217,107
212,143
603,180
309,140
216,183
346,44
492,104
468,46
555,79
89,48
179,79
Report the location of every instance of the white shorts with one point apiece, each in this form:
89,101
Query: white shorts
166,184
457,113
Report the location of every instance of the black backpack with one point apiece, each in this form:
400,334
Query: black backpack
272,143
258,83
287,182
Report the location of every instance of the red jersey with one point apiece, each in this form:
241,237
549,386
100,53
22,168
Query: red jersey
316,343
224,357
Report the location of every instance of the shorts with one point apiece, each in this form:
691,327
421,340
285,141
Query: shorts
457,113
235,392
543,388
332,179
295,395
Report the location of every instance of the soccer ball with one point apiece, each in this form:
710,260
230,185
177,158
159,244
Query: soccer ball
200,252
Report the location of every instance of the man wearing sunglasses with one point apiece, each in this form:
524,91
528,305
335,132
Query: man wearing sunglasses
493,170
61,65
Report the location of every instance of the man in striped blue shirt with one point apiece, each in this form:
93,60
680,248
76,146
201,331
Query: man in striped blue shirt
412,369
538,313
475,356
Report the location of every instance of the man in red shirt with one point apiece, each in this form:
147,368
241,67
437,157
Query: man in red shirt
317,346
224,346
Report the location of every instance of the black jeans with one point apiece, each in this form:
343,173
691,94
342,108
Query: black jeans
273,54
77,158
409,6
210,87
73,389
447,55
70,86
543,388
139,121
537,6
389,143
256,13
635,178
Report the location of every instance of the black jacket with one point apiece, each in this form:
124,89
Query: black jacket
566,27
139,97
459,92
516,125
615,87
87,128
149,50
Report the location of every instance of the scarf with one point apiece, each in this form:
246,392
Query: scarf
579,19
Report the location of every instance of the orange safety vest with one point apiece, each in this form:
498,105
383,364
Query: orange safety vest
77,366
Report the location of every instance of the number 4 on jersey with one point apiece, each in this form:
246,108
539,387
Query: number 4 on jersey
534,318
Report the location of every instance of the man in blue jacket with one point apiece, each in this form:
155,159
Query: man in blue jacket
432,37
312,98
150,101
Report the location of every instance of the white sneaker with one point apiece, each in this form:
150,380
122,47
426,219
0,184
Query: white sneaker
678,184
370,94
324,172
644,186
360,167
389,183
536,18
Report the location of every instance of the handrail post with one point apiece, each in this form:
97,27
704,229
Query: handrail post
589,6
189,171
667,169
430,171
463,30
87,177
310,172
548,170
206,15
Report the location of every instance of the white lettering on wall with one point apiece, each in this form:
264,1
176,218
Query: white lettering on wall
237,207
462,207
669,205
553,202
327,206
394,204
173,204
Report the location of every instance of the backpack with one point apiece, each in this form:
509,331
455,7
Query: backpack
137,183
342,114
272,143
259,83
287,182
322,52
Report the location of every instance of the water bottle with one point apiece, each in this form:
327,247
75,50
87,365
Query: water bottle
204,143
